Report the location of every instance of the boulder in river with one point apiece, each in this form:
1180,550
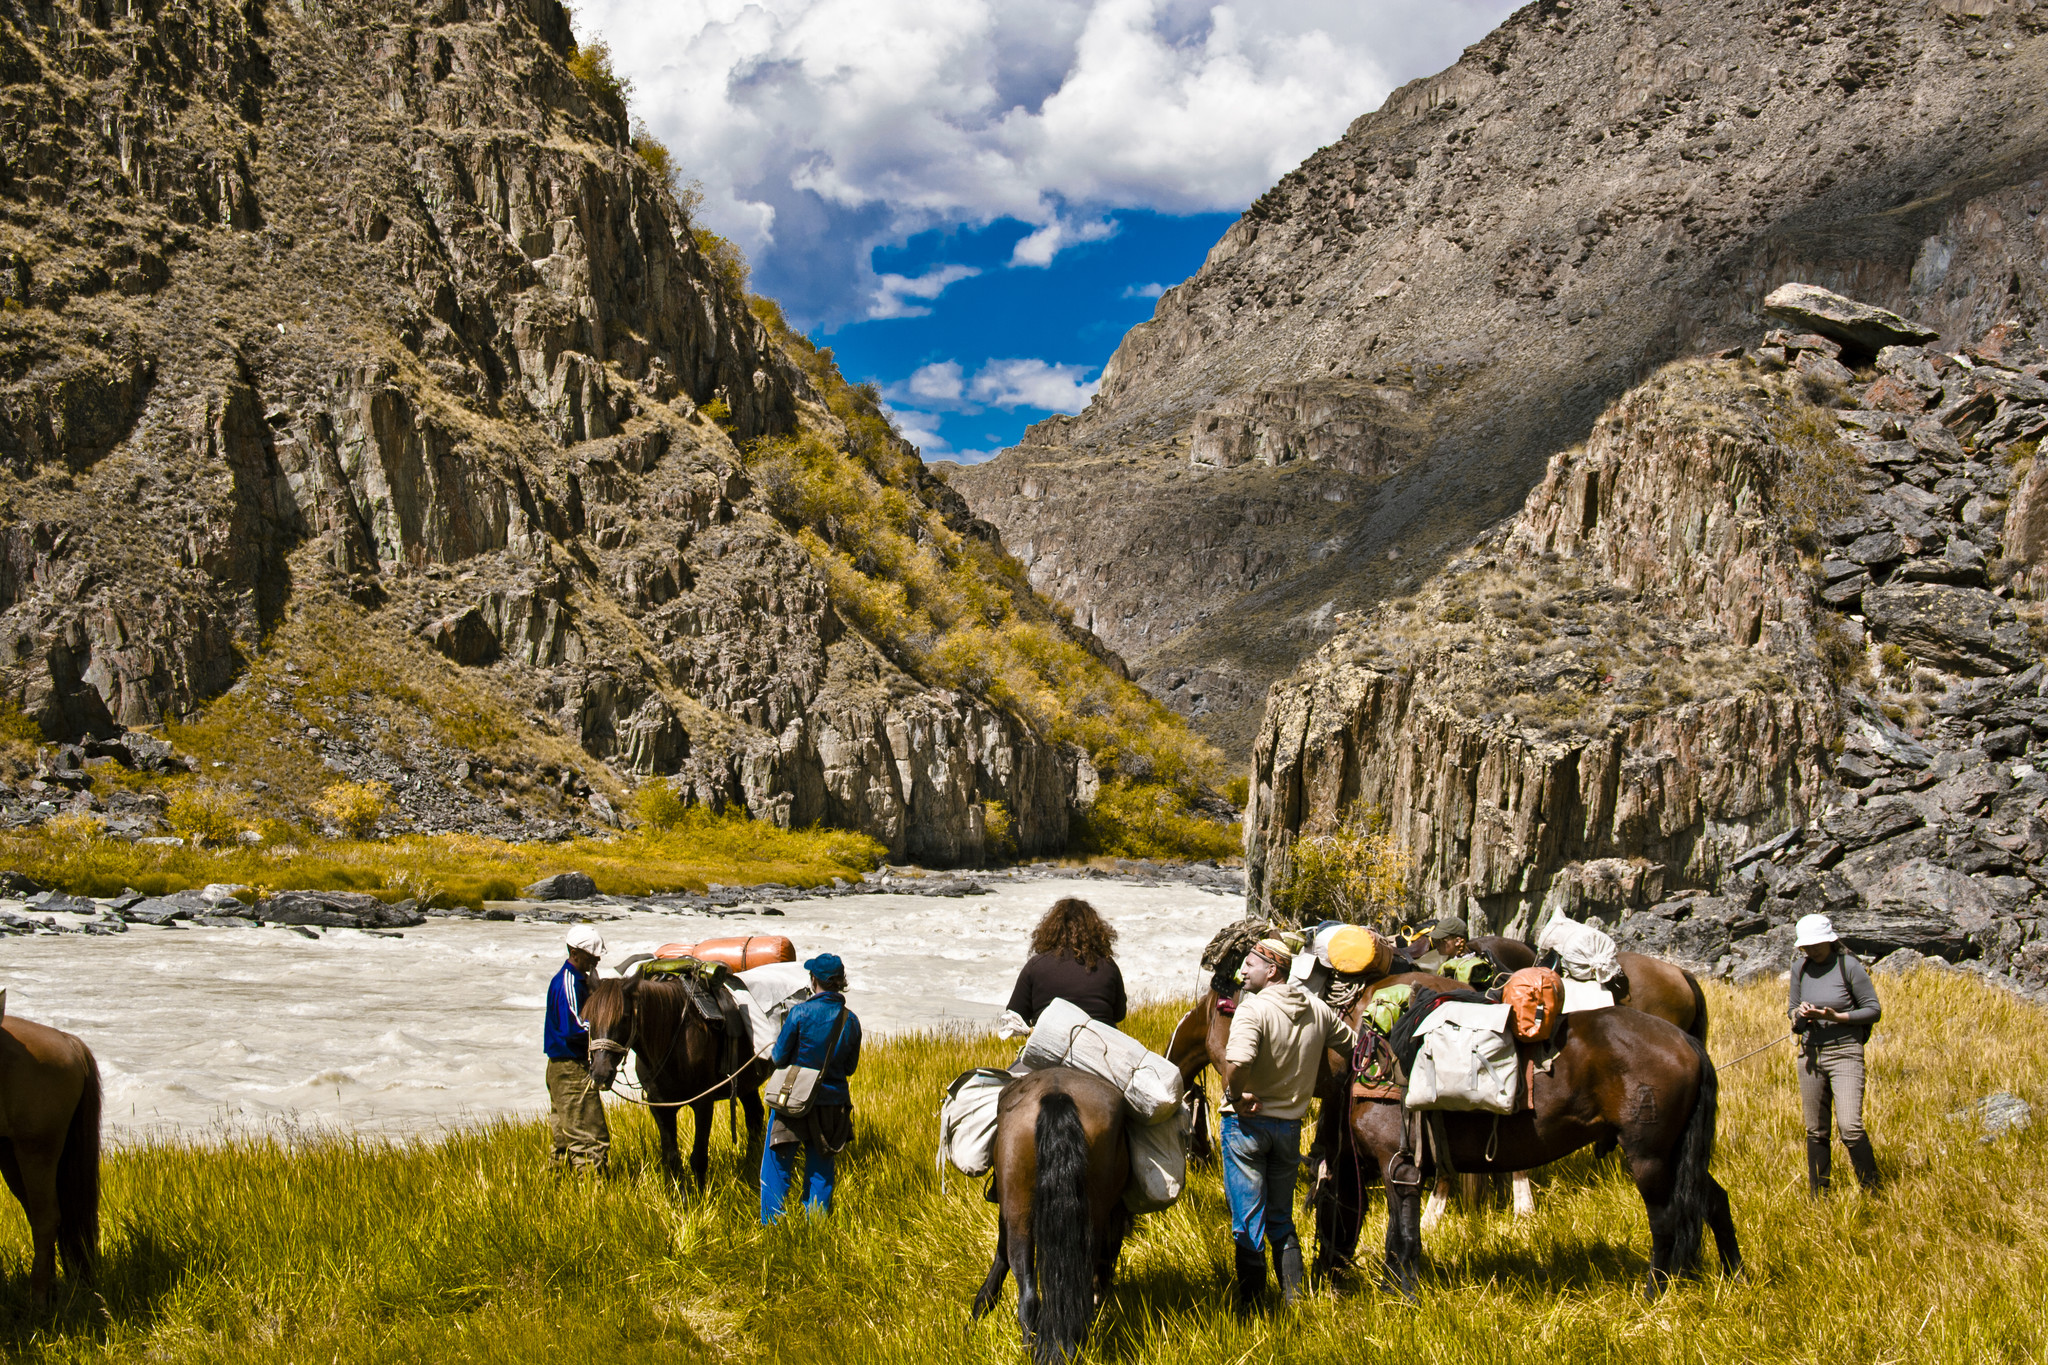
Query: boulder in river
562,886
337,910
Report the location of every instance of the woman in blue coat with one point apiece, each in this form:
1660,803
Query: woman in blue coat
820,1032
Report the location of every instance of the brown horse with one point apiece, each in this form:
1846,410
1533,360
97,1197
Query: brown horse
1060,1167
677,1056
50,1146
1622,1078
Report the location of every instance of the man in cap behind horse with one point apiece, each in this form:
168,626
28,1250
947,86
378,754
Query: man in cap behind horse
1277,1039
575,1112
821,1033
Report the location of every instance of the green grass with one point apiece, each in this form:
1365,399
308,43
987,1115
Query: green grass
453,869
340,1249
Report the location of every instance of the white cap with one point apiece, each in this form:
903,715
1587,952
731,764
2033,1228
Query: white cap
1814,929
588,939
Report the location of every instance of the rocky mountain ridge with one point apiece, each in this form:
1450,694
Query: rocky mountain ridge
1374,363
1769,643
372,411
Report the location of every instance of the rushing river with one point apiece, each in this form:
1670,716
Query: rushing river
205,1031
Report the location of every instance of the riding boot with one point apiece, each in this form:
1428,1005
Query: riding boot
1819,1164
1864,1162
1288,1266
1251,1278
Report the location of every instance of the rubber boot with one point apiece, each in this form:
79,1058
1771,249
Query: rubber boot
1287,1264
1864,1162
1819,1165
1251,1279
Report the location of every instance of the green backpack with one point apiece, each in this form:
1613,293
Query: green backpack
1385,1008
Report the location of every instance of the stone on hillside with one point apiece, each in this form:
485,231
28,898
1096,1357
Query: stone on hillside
1860,328
1965,630
1866,825
562,886
465,637
1997,1114
336,909
1920,905
1900,961
1879,547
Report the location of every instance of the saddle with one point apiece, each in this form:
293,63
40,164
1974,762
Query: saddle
708,987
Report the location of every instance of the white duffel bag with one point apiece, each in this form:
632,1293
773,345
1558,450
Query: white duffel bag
1159,1161
1467,1061
1065,1036
967,1120
1583,952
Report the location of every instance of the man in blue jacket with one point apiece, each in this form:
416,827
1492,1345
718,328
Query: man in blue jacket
575,1112
821,1033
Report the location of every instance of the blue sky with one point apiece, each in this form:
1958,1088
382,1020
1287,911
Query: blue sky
971,201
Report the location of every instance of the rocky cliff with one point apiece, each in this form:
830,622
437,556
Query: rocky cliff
1768,643
371,409
1376,360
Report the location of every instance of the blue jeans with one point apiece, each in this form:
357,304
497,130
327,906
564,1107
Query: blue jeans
819,1136
1260,1159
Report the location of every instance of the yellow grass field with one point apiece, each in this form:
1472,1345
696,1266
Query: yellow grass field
324,1248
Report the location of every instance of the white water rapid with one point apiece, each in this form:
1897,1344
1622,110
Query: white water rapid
202,1031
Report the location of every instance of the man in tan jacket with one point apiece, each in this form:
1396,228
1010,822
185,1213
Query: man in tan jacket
1277,1040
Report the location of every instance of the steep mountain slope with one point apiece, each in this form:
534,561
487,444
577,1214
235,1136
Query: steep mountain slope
1375,361
340,337
1768,643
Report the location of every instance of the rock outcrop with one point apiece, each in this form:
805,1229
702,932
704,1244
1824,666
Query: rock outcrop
375,305
1761,647
1376,360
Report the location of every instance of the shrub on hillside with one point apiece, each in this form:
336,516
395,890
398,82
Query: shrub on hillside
207,814
1358,873
591,64
354,807
1130,820
657,806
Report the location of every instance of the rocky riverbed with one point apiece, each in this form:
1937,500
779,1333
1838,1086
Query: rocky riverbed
226,1026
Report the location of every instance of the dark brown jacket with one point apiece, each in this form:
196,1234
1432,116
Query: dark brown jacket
1056,976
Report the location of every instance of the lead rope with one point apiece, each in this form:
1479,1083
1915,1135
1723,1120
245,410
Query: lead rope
1723,1066
607,1045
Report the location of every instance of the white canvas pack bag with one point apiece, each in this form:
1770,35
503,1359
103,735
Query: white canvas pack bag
1467,1061
1066,1036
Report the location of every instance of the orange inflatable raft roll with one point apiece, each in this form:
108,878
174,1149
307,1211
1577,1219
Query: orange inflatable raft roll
738,954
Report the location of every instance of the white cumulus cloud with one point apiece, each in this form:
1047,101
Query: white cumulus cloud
1033,384
831,126
893,293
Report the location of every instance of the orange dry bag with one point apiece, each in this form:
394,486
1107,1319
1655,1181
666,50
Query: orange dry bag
1535,1000
735,954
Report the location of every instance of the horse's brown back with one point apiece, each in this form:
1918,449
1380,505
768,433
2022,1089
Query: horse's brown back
1666,990
43,1073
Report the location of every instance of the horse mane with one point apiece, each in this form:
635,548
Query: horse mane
605,1005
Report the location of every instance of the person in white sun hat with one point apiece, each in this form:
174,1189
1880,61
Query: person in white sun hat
1833,1008
582,1141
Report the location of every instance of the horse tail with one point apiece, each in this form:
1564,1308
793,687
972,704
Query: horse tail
1062,1259
78,1180
1692,1197
1699,1008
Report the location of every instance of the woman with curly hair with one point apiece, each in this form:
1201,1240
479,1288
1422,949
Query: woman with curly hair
1071,961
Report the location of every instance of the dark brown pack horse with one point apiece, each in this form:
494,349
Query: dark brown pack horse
677,1055
1621,1079
50,1147
1655,986
1061,1163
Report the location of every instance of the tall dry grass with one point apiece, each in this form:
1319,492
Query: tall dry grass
334,1249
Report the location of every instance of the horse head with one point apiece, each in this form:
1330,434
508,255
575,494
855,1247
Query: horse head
610,1016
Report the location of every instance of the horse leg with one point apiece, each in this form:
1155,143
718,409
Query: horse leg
671,1155
750,1105
1722,1220
1201,1145
38,1193
700,1140
999,1269
1404,1236
1525,1198
1439,1201
1340,1211
1110,1245
1023,1263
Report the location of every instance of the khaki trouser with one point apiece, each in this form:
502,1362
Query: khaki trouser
1832,1071
576,1116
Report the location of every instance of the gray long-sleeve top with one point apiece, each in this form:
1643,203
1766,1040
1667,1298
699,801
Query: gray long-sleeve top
1840,983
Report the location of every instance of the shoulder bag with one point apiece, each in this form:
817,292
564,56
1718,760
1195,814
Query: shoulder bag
792,1089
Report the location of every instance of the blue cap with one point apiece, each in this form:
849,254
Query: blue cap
826,967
